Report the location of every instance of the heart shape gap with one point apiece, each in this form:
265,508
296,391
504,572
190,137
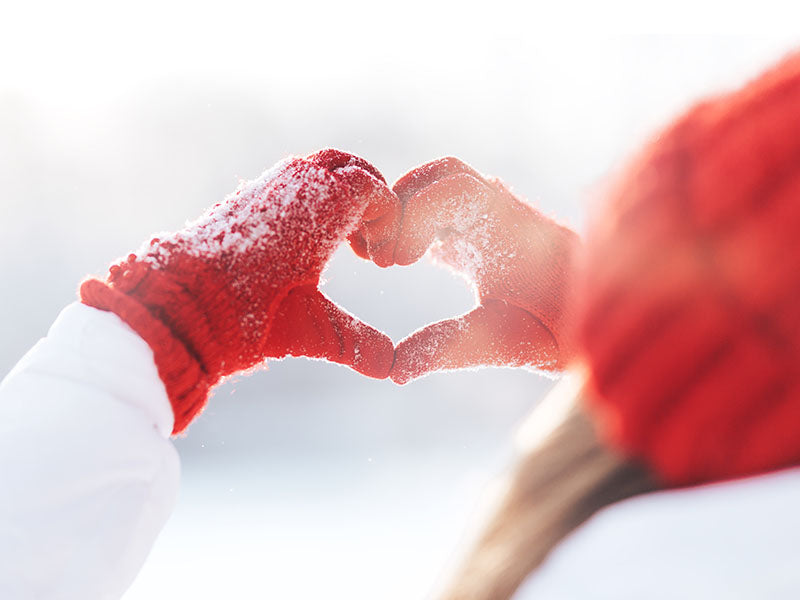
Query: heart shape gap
396,300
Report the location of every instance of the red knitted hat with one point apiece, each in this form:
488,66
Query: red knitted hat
689,309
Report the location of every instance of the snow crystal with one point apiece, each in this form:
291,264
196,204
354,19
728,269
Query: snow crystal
257,213
271,232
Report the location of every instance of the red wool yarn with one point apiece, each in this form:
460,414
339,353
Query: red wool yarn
517,260
240,284
689,296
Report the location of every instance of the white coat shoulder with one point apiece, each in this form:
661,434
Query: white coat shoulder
732,540
89,475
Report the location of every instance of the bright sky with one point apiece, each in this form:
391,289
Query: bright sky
93,46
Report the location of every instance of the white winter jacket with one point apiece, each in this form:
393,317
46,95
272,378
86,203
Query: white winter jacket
88,477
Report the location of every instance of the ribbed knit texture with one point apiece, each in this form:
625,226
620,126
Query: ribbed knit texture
688,302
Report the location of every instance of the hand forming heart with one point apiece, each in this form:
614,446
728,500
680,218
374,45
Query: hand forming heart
517,259
240,284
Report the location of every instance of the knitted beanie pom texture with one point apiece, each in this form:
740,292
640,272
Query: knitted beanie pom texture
688,310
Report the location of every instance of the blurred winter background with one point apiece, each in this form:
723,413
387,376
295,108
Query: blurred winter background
307,480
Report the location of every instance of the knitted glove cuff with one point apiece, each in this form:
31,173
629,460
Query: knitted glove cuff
186,382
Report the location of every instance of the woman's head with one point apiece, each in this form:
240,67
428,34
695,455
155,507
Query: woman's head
688,324
689,317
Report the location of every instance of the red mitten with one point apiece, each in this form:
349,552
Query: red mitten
240,284
517,259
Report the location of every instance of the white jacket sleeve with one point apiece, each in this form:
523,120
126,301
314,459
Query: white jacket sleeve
88,475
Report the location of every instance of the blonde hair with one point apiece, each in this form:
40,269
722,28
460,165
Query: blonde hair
565,475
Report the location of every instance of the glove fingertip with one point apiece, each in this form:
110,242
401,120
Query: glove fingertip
383,255
407,363
407,254
333,159
399,378
374,355
359,245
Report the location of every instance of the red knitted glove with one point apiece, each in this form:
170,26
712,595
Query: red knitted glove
517,259
240,284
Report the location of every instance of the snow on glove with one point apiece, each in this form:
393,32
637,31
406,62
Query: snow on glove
240,284
517,259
